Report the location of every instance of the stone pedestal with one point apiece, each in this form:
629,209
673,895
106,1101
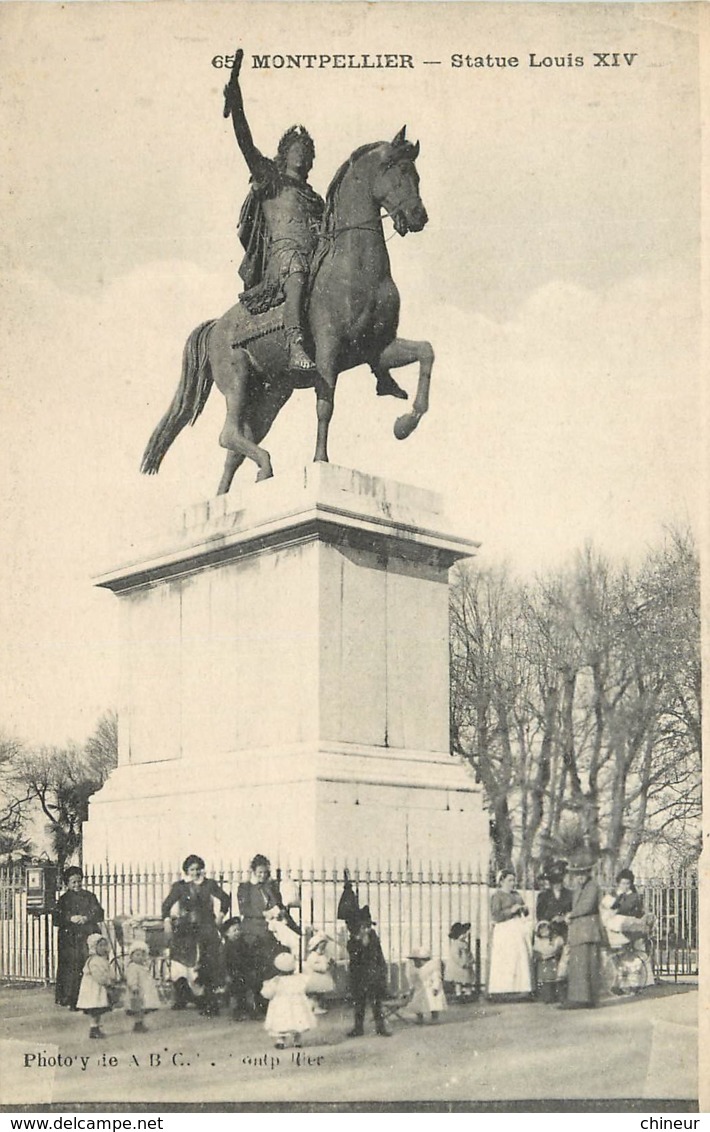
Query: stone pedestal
285,684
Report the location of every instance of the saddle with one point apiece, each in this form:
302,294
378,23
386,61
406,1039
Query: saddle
260,308
249,326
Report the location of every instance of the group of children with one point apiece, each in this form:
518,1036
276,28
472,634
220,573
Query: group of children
295,998
99,990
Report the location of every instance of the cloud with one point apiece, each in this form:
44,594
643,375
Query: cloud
577,418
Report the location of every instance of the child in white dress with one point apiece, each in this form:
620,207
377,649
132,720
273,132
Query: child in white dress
427,985
289,1013
142,992
319,967
96,979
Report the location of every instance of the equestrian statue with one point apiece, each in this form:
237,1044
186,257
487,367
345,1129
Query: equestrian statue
319,296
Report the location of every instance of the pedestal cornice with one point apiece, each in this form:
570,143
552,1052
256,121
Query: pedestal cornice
321,501
301,762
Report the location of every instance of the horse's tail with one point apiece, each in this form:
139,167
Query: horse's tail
189,400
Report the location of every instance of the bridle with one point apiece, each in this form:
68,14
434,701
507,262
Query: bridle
390,211
329,236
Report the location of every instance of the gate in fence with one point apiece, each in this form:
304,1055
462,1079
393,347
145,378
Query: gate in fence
411,908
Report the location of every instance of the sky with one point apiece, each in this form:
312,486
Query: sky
557,280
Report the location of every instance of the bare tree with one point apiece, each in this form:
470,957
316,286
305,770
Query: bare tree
577,699
58,782
484,684
13,809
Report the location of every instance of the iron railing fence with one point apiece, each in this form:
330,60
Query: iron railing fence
411,906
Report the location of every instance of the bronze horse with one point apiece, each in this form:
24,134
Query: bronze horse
353,313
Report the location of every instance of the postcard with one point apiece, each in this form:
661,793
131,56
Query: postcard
330,330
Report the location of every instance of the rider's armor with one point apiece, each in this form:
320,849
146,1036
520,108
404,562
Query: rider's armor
278,227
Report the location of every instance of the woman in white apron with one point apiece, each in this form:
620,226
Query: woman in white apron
510,966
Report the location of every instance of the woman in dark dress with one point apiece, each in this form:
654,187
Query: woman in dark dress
259,899
77,914
192,912
627,900
554,903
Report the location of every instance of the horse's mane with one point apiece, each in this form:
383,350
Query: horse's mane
334,185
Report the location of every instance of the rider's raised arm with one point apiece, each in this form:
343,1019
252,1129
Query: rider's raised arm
234,107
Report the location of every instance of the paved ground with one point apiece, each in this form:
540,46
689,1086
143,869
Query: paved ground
645,1047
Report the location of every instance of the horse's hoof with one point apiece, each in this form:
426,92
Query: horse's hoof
405,426
264,474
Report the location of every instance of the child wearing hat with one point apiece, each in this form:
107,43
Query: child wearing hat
368,972
289,1014
459,963
319,967
427,985
142,992
96,980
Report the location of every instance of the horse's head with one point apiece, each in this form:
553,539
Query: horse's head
396,185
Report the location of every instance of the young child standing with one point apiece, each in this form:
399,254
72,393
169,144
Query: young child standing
96,978
459,963
238,964
318,967
142,991
427,985
547,949
368,972
289,1013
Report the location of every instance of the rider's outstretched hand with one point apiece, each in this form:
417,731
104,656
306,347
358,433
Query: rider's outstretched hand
232,93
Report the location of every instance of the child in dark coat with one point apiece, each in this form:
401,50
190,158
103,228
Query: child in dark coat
368,974
547,950
238,964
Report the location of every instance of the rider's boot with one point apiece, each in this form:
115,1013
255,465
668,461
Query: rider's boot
294,291
297,357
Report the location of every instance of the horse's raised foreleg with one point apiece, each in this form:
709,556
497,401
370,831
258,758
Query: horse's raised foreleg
402,352
233,380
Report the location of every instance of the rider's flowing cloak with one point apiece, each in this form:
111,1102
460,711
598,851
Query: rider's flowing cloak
267,183
253,238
